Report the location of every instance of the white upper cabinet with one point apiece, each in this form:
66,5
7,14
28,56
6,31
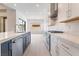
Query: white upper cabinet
62,11
67,11
74,10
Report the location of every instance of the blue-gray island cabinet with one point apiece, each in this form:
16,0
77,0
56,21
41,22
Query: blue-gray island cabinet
15,46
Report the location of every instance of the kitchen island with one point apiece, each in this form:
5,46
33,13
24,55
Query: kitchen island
14,44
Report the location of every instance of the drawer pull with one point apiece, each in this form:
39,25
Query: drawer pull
64,46
68,52
14,41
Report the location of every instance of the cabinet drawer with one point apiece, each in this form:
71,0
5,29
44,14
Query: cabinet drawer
54,39
63,52
70,49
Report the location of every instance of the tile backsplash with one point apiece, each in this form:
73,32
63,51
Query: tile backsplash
72,27
58,27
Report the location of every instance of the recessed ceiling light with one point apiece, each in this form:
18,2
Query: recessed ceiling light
14,4
26,12
37,5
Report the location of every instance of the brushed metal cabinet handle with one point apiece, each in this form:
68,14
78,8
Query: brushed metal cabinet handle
14,41
65,46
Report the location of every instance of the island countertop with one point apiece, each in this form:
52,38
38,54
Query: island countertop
5,36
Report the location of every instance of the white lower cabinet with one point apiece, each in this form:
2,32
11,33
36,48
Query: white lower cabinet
63,52
17,46
62,47
70,49
53,51
53,45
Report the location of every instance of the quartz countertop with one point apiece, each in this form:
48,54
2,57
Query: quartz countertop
67,36
5,36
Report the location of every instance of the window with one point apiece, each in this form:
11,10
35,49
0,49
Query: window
20,25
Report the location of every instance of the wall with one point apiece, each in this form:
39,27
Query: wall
2,13
11,21
31,19
45,25
11,18
41,29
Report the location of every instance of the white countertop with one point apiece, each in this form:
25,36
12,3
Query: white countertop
67,36
5,36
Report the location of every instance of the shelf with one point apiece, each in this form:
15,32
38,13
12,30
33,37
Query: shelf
70,20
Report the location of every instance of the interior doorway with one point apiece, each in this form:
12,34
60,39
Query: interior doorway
2,23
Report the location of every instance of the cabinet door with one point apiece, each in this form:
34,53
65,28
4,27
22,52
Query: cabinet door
62,11
17,47
70,48
10,48
29,38
61,50
54,45
26,40
4,49
75,9
47,40
20,46
24,44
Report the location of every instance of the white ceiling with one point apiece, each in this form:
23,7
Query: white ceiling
33,8
10,5
30,8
